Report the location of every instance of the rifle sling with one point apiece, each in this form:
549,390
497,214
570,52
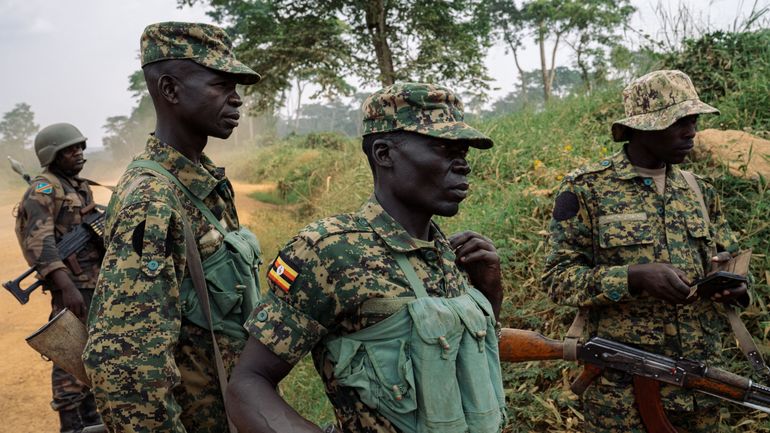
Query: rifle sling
195,267
574,333
742,335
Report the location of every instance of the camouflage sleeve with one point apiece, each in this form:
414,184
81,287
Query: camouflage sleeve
135,320
37,238
299,306
571,275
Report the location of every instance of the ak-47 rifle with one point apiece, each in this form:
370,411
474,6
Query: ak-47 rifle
69,244
648,370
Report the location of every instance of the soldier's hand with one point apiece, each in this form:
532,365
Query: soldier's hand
72,299
477,255
660,280
735,295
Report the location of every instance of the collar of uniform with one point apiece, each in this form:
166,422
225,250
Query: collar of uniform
625,170
389,230
199,179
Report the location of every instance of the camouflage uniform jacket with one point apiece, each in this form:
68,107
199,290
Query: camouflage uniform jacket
144,361
49,209
322,277
619,219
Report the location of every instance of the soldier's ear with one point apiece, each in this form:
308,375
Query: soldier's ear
382,152
168,88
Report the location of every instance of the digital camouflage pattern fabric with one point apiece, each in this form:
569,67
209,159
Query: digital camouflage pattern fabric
655,101
340,262
427,109
207,45
607,217
151,370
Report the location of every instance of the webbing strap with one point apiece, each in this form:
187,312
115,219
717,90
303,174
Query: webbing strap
154,166
195,269
411,275
742,335
574,333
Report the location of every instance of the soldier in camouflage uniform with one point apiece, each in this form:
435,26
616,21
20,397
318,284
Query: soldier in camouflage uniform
341,276
628,236
55,203
149,354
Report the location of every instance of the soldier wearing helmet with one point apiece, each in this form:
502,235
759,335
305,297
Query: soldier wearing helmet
55,203
629,235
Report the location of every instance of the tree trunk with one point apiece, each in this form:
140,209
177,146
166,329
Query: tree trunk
375,22
300,87
543,66
552,72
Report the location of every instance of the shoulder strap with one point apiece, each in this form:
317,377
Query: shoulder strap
695,188
742,335
411,275
154,166
195,269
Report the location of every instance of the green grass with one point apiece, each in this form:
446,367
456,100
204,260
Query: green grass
510,201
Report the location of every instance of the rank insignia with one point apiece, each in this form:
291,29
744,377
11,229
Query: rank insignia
281,273
44,188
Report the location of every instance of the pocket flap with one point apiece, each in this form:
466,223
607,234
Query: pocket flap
624,230
470,314
432,318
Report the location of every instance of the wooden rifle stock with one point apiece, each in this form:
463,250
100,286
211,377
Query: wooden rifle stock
517,345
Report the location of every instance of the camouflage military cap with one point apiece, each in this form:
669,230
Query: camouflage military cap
422,108
655,101
207,45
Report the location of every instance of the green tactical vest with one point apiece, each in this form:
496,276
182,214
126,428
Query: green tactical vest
231,272
432,366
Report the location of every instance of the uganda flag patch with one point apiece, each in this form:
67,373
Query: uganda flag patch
281,273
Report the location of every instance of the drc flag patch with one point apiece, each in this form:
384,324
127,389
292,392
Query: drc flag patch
44,188
281,273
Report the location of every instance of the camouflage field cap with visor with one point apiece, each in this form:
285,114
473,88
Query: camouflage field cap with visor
426,109
656,101
206,45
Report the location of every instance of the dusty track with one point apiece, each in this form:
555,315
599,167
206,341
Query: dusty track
25,384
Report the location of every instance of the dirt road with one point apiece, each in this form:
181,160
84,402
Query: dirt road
25,384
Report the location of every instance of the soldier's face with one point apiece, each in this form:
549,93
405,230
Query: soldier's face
208,102
432,174
70,160
673,144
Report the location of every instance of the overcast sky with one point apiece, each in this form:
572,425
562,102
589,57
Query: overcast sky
70,60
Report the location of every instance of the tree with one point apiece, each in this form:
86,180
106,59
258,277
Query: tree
17,128
375,42
127,135
592,23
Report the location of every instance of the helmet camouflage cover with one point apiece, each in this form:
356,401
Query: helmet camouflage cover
656,101
426,109
205,44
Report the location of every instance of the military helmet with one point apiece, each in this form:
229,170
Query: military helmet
54,138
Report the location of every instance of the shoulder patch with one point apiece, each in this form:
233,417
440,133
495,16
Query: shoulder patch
283,272
593,167
44,188
566,206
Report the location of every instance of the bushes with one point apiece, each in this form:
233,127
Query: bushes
731,71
